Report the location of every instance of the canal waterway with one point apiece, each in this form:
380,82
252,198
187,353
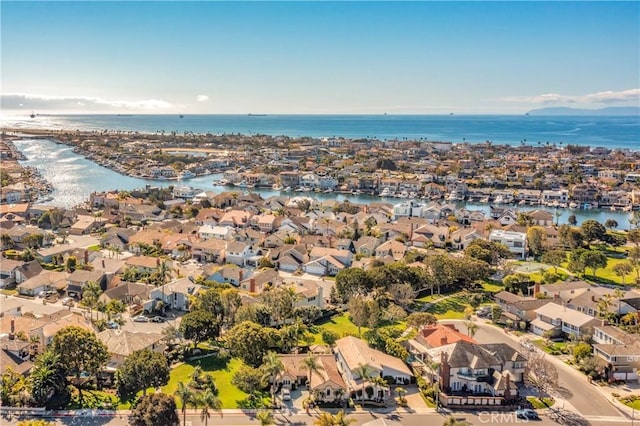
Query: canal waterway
74,178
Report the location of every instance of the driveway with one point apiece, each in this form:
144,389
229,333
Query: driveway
574,387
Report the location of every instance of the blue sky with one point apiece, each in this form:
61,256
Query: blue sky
307,57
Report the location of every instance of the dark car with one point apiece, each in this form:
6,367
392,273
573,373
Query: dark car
527,413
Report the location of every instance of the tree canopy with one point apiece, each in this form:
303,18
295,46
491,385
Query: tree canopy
141,370
157,409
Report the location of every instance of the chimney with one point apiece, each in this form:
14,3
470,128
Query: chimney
443,340
103,264
252,285
86,257
13,326
240,276
536,289
445,372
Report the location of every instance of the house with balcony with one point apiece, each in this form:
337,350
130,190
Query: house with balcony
516,242
619,350
560,320
353,353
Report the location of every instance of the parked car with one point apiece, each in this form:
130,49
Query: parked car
47,293
527,413
157,319
67,301
286,394
112,325
140,318
483,311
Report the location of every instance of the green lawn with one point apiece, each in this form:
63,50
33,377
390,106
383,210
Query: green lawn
632,401
491,287
339,324
540,405
222,373
451,308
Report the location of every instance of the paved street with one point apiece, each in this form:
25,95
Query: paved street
286,419
584,397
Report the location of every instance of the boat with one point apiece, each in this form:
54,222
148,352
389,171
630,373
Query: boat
187,174
385,192
257,115
573,205
32,115
287,189
181,116
277,187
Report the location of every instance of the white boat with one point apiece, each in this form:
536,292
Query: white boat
242,184
187,174
277,187
385,192
287,189
573,205
499,199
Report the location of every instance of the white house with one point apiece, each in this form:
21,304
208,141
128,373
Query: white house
516,242
175,294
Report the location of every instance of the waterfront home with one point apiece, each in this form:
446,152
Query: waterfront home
619,350
516,242
560,320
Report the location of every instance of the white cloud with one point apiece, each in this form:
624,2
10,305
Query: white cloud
202,98
608,97
11,101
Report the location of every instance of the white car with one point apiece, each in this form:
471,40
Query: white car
286,394
140,318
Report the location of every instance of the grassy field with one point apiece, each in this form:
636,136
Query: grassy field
540,405
222,373
450,308
491,287
339,324
632,401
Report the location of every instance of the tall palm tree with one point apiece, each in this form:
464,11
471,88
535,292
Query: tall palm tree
364,372
186,395
90,294
272,367
472,328
209,402
378,382
618,294
312,365
47,378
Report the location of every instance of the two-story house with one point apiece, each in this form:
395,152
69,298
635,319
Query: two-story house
619,350
561,320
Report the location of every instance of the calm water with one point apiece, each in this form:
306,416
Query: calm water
75,177
612,132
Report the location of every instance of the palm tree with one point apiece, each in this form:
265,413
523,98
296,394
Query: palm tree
312,365
325,419
186,395
265,417
340,419
272,367
364,372
90,294
209,402
472,328
47,378
378,382
401,392
618,294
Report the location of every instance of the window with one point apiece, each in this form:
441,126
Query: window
328,392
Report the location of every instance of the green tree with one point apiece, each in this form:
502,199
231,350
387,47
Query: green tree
364,372
313,366
421,319
80,351
209,402
187,396
71,263
572,219
248,341
611,223
141,370
581,351
156,409
90,294
593,230
47,380
622,269
536,238
352,281
594,260
555,257
271,368
364,311
249,379
265,417
329,337
199,326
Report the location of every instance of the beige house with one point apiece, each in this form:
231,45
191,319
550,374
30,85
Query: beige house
327,384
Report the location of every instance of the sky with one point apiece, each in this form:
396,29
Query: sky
317,58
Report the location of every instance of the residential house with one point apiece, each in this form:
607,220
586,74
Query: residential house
559,319
353,353
175,295
127,293
516,242
78,279
326,384
619,350
392,248
327,261
44,281
461,238
207,232
8,269
210,251
121,344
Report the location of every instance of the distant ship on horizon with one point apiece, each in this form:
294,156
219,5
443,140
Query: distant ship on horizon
32,115
257,115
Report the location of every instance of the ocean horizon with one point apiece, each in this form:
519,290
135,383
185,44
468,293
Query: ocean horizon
613,132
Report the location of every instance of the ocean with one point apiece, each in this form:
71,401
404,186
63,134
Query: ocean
603,131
